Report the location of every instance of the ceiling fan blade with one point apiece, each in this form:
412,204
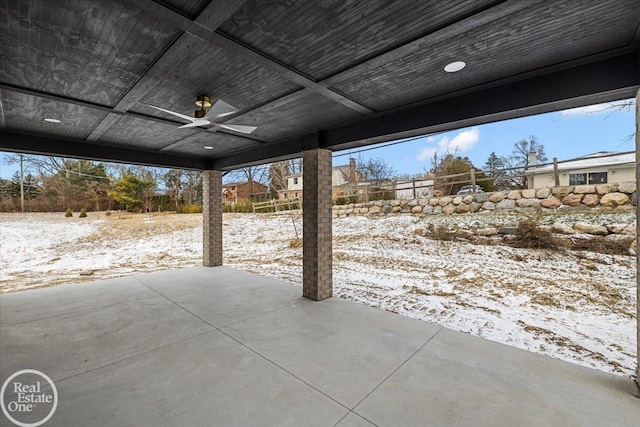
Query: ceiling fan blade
182,116
220,109
238,128
193,125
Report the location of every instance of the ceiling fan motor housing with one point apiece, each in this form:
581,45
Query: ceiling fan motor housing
203,101
198,114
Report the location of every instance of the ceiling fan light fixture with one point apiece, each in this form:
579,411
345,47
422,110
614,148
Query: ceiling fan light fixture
52,120
454,67
208,147
198,114
203,101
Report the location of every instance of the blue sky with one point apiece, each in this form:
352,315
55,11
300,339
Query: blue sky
567,134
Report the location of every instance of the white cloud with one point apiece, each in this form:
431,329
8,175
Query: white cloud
608,107
426,153
460,143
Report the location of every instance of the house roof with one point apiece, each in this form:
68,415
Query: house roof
231,184
308,74
600,159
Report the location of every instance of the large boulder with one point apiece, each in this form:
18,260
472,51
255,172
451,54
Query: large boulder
617,228
597,230
550,203
416,209
434,201
437,210
490,231
527,203
572,200
529,193
444,201
462,208
514,195
590,200
605,188
627,187
506,204
489,206
561,191
468,199
543,193
562,229
376,209
474,207
482,197
427,210
496,197
387,209
423,202
457,200
614,199
449,209
584,189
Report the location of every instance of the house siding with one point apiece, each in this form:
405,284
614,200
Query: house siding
615,175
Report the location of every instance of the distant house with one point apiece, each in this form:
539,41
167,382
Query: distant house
343,182
234,192
597,168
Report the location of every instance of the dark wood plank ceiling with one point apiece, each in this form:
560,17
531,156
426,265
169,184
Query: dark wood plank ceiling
330,73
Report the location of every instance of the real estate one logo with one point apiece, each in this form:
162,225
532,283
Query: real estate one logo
28,398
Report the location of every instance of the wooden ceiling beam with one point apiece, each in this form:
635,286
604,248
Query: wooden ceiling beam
203,32
605,80
42,145
213,15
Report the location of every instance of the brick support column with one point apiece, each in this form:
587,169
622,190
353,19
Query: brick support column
638,238
316,207
211,218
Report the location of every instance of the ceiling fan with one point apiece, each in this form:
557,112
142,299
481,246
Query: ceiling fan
202,117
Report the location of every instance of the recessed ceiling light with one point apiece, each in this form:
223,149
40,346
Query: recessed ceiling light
454,66
52,120
208,147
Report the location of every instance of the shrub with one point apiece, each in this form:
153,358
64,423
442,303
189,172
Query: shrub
190,208
243,206
529,235
68,213
107,213
439,233
83,213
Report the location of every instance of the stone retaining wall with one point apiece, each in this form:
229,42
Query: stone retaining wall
620,196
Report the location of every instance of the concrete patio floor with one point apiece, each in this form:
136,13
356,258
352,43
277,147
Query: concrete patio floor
221,347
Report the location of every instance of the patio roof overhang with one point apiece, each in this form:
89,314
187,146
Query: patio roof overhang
309,75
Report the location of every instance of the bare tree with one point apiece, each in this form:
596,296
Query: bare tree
278,173
374,172
520,159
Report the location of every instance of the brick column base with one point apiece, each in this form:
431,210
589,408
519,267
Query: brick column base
316,213
211,218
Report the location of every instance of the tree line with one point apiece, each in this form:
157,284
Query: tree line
57,184
497,174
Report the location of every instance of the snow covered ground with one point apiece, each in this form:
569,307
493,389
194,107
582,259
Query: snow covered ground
577,306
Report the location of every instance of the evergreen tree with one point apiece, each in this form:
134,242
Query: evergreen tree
494,168
133,192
